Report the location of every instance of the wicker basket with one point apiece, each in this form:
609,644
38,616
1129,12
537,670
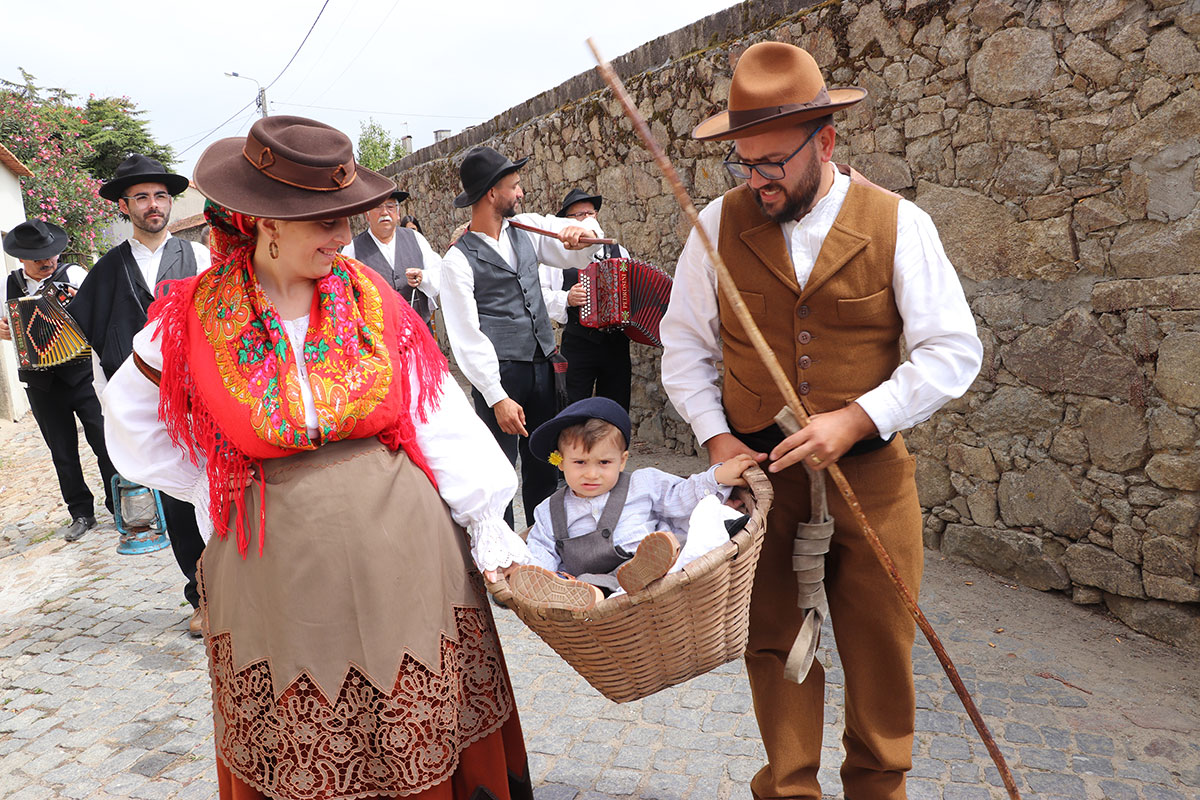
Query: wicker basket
688,623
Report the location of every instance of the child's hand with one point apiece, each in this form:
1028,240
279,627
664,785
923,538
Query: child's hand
730,472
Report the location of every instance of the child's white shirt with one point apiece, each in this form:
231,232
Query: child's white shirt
657,501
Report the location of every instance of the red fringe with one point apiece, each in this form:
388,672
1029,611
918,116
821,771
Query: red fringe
193,429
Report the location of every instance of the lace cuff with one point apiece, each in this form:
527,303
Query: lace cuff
494,545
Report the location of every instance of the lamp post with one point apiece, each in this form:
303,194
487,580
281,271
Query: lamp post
261,99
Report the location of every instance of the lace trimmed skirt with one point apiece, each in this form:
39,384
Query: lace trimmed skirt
357,656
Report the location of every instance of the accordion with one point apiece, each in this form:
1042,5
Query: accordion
624,294
44,333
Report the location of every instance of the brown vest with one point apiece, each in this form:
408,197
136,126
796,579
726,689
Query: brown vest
836,339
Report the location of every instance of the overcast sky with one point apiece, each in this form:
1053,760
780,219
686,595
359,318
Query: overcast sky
415,66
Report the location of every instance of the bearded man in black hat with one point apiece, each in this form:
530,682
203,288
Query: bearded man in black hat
495,315
834,271
401,255
58,395
597,361
112,303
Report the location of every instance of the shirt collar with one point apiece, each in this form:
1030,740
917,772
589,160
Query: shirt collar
827,207
137,246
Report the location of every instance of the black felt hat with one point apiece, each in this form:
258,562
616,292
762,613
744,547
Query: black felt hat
578,196
399,196
141,169
544,439
479,172
34,240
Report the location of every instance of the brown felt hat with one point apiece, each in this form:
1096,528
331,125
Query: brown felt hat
775,85
289,168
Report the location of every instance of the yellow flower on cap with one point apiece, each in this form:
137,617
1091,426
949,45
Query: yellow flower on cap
555,458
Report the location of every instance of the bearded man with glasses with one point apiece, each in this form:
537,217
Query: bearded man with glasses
111,307
834,270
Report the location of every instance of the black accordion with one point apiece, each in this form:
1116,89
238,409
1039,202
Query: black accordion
44,333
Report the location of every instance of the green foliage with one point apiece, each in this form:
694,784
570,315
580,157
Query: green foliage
71,149
376,147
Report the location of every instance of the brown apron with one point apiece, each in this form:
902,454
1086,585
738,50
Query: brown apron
357,654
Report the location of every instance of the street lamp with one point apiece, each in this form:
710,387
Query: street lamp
261,100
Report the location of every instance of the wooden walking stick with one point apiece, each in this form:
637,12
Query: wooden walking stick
726,284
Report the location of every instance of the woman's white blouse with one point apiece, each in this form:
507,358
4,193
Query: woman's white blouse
473,476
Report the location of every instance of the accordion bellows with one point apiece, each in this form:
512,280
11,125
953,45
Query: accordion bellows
44,333
625,294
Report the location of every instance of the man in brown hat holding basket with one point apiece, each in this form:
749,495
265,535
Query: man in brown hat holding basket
834,271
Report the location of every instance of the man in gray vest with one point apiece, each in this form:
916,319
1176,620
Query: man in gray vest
112,302
401,255
495,317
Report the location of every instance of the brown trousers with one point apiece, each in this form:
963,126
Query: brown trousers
873,630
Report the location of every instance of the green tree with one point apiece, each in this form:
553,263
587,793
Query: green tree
376,147
112,126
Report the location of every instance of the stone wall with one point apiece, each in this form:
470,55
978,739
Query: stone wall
1056,145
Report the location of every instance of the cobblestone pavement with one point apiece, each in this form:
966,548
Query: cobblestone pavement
102,694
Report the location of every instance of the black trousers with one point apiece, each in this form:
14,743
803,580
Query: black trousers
532,385
55,405
186,542
597,365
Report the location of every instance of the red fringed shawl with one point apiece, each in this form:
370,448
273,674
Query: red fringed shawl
230,391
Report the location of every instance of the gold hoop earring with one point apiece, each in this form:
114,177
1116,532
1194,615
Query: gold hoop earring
273,249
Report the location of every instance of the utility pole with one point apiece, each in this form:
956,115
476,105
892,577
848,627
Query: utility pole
261,99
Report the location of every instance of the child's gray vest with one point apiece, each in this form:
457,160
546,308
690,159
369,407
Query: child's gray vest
512,314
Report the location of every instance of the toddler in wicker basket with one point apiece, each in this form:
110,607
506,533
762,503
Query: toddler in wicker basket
615,531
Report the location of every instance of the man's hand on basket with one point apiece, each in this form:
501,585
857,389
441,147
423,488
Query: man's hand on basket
824,439
725,446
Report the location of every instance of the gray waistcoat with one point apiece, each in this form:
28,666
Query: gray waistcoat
407,255
512,314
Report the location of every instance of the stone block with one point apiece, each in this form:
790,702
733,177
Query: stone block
1085,15
1167,557
1069,446
1178,374
1072,355
1013,64
1168,622
974,461
1024,173
976,161
1175,471
1018,410
1048,205
1171,589
1087,58
1116,434
1095,213
1012,553
933,482
1153,249
1045,496
1174,292
1127,543
1156,137
1079,131
1173,52
870,25
888,170
1090,565
1179,519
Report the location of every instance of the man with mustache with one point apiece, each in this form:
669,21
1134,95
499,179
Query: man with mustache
495,315
401,255
112,303
57,395
834,270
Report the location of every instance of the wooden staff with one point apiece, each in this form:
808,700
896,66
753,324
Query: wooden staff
553,235
726,284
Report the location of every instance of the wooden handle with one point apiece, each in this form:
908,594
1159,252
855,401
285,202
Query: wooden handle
553,235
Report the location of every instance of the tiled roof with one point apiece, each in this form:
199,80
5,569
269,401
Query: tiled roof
13,164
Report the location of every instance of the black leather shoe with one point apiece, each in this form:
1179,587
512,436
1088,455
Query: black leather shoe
78,527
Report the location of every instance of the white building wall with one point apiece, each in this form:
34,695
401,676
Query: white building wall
13,402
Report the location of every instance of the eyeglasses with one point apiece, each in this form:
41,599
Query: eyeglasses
582,214
143,198
768,170
391,205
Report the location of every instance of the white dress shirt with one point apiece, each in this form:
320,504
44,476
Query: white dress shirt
473,351
473,475
944,352
431,281
148,262
75,276
657,501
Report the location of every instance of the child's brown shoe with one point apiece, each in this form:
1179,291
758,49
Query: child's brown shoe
653,559
542,589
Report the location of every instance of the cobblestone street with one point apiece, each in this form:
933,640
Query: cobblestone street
103,695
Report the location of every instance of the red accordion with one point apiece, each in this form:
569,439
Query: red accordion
621,293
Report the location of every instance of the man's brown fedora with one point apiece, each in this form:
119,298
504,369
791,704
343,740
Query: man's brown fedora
775,85
289,168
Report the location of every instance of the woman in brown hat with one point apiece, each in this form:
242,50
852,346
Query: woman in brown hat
351,646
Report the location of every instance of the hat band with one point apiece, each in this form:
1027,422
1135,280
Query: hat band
749,116
316,179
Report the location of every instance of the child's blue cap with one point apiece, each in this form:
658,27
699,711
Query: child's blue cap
544,439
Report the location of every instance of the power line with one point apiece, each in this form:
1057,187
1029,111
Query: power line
302,41
269,85
321,56
365,46
369,111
